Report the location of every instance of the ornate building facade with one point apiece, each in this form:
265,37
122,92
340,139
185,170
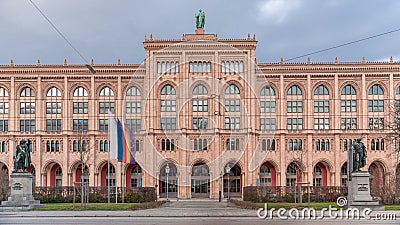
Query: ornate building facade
204,108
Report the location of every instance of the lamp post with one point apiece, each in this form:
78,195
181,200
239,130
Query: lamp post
220,184
177,186
228,170
167,173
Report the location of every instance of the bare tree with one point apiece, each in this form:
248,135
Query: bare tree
298,160
392,188
83,150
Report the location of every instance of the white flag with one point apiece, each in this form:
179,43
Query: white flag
113,136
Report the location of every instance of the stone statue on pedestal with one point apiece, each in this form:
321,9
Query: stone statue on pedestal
22,156
359,152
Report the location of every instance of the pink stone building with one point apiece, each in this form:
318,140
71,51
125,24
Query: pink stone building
201,104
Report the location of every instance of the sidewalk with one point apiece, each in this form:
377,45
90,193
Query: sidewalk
183,208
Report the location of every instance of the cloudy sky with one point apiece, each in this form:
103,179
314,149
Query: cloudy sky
107,30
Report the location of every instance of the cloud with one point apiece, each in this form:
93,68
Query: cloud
277,11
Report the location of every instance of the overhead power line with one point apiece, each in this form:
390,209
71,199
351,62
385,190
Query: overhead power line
65,38
341,45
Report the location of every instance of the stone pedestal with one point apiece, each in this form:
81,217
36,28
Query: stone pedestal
360,194
199,31
21,198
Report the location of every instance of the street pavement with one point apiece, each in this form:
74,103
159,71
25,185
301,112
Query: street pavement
181,212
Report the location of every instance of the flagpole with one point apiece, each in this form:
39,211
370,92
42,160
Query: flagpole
116,186
108,162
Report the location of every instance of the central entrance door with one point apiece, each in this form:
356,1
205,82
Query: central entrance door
200,181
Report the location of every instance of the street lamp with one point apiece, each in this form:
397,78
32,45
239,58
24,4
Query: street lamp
220,184
228,170
177,186
167,173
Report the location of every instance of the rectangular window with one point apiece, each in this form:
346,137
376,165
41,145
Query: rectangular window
53,125
80,107
134,124
3,107
295,123
105,107
233,144
348,106
348,123
294,106
27,125
321,106
53,107
232,123
200,105
3,125
80,125
27,108
103,124
200,123
168,105
168,123
232,105
268,124
321,123
268,106
375,123
375,105
133,107
167,144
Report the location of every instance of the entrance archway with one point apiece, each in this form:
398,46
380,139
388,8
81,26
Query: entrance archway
172,181
267,175
320,176
377,179
200,181
134,176
4,175
235,181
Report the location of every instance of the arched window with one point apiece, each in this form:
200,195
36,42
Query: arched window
133,91
376,89
200,90
327,145
294,90
27,92
345,144
232,89
317,145
80,92
321,90
168,90
3,92
372,144
398,90
136,176
58,177
4,105
267,91
317,176
348,90
53,92
106,92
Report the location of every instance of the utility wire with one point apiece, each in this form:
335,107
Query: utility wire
341,45
63,36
